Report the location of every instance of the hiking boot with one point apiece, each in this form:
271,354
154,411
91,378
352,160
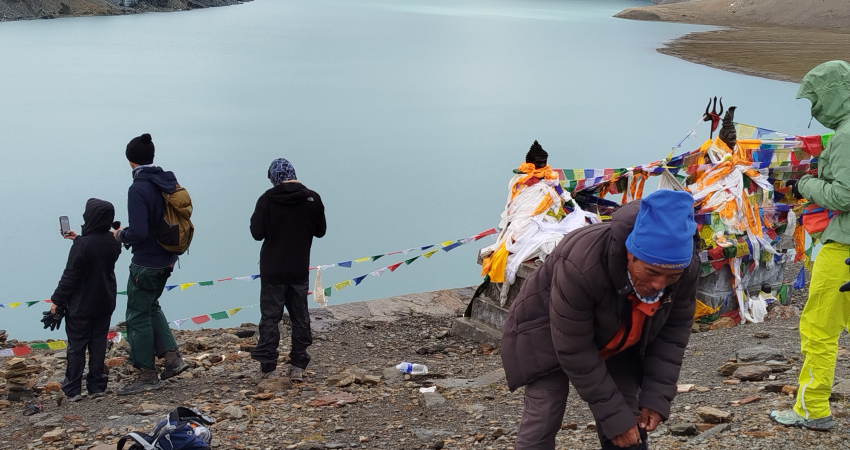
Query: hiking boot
790,418
174,365
146,381
75,398
97,395
296,374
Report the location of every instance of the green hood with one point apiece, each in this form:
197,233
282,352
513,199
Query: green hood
827,86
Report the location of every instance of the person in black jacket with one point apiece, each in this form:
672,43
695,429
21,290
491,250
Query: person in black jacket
286,219
147,328
86,297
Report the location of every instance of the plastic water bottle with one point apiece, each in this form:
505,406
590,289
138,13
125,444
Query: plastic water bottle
413,369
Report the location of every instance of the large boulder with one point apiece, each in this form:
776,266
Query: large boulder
760,353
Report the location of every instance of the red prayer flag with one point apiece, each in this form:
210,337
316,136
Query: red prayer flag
394,266
21,351
812,145
110,335
200,319
485,233
224,279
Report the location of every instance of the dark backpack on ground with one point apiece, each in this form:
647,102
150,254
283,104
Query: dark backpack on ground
182,429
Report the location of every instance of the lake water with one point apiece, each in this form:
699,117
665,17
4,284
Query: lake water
406,116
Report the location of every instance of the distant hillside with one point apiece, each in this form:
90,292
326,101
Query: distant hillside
812,14
52,9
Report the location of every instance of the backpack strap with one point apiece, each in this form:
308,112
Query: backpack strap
139,438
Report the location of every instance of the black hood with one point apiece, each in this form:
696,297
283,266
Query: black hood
166,181
98,217
289,193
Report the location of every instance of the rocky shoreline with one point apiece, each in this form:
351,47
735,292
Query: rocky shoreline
12,10
775,39
353,397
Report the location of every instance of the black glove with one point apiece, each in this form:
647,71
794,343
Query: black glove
794,190
52,320
846,286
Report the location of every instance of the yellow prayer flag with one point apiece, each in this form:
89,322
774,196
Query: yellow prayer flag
447,243
343,284
186,285
431,253
57,345
13,305
231,312
746,131
578,174
363,259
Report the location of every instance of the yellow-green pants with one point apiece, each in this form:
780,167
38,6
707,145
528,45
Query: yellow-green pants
826,314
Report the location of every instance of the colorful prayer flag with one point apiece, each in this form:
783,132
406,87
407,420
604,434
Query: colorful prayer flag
327,266
359,279
346,264
339,286
21,350
426,247
224,279
254,277
431,253
377,257
13,305
443,244
6,352
379,272
394,267
361,260
232,311
57,345
179,322
39,346
408,250
201,319
125,292
410,261
184,286
328,291
219,315
205,283
246,278
170,287
451,247
31,303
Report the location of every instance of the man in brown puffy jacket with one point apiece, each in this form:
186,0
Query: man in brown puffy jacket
611,311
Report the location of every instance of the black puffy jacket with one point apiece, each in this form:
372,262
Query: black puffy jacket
88,288
572,305
287,218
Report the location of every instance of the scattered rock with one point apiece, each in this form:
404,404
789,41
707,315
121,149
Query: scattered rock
745,401
338,399
429,349
272,385
684,388
713,415
729,368
341,379
243,333
682,429
761,335
703,427
431,400
789,390
52,387
429,436
722,323
53,436
710,433
116,362
752,373
233,412
780,312
761,353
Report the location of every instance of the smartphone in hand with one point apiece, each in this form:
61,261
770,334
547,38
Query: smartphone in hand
64,225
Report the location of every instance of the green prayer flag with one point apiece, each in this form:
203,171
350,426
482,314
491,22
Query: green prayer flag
39,346
219,315
782,295
377,257
122,293
410,261
705,268
328,291
31,303
205,283
729,252
824,138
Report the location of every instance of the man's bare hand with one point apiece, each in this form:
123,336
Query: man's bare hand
649,419
115,234
52,309
70,235
628,439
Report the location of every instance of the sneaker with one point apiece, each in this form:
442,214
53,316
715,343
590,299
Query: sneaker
790,418
174,365
146,381
296,374
97,394
260,376
76,398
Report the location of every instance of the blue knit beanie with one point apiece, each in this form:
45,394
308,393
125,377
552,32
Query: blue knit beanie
663,235
281,170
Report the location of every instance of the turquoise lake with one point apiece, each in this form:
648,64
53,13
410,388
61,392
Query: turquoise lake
407,116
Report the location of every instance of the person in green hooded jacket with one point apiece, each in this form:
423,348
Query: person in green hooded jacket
827,311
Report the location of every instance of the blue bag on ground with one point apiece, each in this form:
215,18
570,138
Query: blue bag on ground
182,429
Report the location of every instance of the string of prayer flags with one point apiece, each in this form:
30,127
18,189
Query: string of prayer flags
233,311
339,286
359,280
185,286
410,261
197,320
219,315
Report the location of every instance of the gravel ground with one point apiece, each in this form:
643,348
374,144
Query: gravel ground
393,414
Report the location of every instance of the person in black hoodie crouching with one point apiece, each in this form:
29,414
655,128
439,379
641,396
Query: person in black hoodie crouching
86,297
286,219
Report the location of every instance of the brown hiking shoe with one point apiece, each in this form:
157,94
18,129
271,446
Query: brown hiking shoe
174,365
145,381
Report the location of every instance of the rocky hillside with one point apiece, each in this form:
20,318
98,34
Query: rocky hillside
52,9
811,14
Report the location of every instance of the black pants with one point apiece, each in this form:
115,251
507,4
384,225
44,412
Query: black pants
86,334
273,298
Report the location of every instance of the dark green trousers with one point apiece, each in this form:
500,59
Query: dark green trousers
148,332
